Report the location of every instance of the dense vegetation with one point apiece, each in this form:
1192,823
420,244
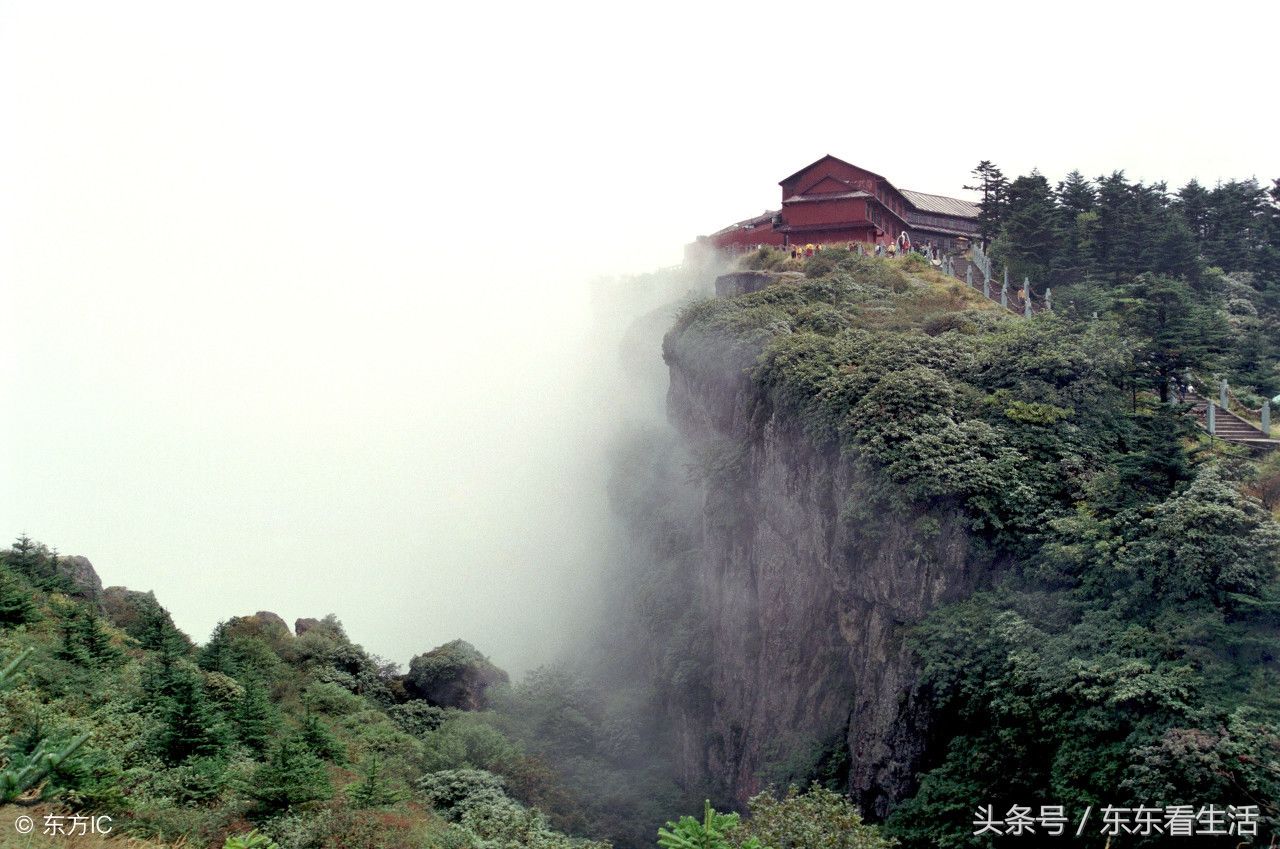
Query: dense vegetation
1127,652
306,739
261,738
1099,235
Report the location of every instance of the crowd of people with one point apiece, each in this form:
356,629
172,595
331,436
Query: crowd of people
898,247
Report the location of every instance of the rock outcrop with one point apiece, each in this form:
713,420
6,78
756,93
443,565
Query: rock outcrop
454,675
80,572
305,624
807,584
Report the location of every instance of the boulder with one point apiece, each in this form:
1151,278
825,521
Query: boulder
77,569
303,625
454,675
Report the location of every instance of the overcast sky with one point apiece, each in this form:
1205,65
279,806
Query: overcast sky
294,294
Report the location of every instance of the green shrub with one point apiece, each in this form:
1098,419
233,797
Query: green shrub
252,840
291,775
815,819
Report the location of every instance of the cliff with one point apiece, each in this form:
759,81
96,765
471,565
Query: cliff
807,577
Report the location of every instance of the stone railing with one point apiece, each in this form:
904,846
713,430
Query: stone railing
1226,400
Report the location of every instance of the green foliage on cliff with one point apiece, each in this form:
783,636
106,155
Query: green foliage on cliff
308,739
816,818
1125,652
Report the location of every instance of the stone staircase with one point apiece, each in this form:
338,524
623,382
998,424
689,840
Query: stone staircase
1228,426
962,266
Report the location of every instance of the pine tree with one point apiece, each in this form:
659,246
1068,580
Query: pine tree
1075,195
1177,332
1194,204
189,726
85,641
1030,235
290,776
320,741
994,187
16,603
374,790
256,718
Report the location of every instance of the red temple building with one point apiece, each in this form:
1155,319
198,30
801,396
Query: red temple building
833,202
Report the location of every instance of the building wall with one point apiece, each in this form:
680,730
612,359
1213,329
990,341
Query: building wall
847,211
833,236
806,179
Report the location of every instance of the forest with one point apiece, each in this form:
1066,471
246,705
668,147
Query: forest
1122,649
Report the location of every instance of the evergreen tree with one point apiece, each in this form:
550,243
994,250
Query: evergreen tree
994,187
256,718
1077,225
291,775
155,630
84,640
16,603
1236,226
1075,195
1194,204
1030,236
24,556
320,740
373,790
1116,215
38,564
189,725
1177,332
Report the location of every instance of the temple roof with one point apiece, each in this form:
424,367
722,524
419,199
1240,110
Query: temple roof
940,205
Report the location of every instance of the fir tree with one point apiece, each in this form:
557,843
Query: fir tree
1029,238
256,719
155,630
1194,204
16,604
1236,226
320,740
1077,225
189,726
994,187
1075,195
291,775
1177,332
373,790
85,641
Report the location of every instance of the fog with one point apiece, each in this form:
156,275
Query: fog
316,307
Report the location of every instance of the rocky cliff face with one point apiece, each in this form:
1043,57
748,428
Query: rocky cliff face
807,585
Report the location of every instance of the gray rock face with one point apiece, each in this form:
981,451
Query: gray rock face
744,282
305,624
83,576
808,587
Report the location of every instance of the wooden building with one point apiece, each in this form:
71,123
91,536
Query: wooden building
834,202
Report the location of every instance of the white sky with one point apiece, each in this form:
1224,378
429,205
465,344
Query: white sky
294,293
